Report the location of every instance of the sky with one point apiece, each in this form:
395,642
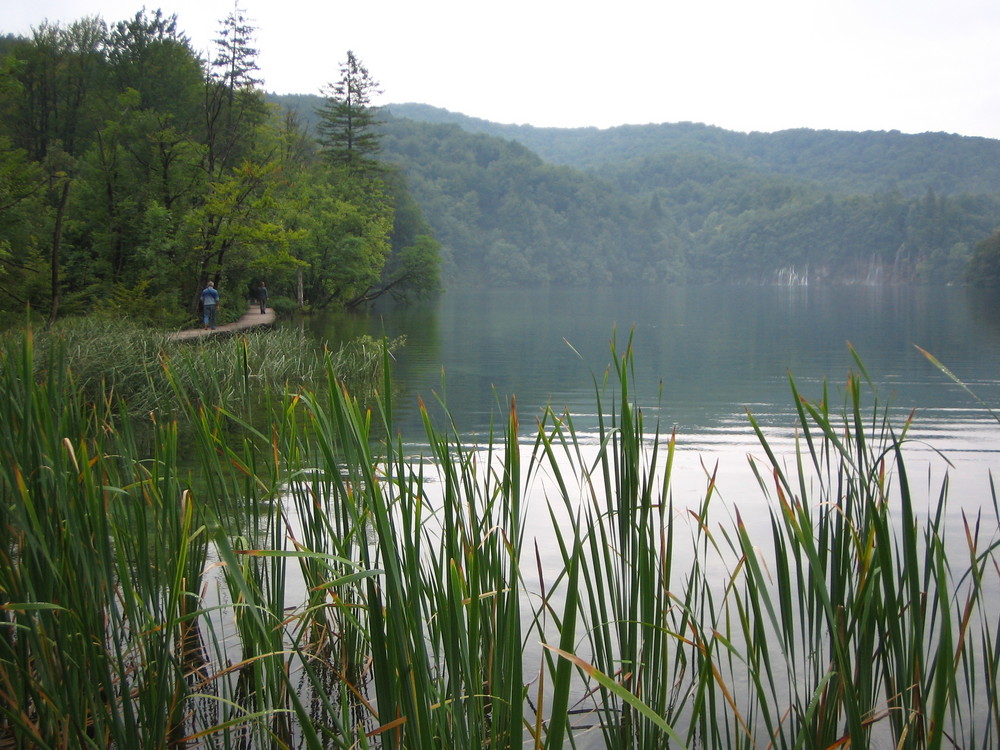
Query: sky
908,65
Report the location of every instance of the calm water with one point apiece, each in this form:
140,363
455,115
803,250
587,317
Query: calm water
703,357
715,352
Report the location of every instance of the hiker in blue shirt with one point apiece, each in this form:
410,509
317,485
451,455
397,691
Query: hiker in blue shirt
210,304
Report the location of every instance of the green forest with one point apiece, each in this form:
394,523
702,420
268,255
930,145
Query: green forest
692,202
687,201
132,172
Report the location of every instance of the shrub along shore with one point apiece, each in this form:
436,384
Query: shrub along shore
229,556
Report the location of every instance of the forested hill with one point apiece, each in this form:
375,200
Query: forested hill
840,161
686,202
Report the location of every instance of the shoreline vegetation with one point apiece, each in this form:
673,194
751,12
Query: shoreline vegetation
241,557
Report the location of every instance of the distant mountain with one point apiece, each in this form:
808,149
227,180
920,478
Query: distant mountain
516,204
849,162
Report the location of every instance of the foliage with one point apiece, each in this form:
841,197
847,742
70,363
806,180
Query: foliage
113,356
837,161
134,162
412,268
984,267
21,194
690,202
345,237
348,122
129,162
505,217
135,304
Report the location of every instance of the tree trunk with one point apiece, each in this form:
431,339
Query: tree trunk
56,240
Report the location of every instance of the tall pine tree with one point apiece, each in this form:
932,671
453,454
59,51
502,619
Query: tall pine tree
348,121
234,106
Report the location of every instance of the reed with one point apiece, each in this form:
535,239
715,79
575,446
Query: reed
439,626
102,556
849,621
119,359
265,562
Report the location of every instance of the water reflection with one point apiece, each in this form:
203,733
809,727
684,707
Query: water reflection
703,355
704,358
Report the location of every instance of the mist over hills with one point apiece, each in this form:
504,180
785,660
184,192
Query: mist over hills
661,203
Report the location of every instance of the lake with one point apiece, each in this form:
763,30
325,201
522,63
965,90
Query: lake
715,352
703,358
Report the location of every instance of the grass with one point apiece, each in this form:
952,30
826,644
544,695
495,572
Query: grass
142,368
304,580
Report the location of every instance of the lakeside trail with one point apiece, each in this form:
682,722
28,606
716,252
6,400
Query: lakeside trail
252,318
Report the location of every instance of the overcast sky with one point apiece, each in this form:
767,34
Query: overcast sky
908,65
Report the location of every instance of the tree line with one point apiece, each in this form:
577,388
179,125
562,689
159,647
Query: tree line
132,171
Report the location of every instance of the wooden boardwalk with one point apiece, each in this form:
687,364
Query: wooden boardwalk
252,318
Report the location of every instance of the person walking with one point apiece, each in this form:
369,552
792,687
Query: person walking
262,297
210,305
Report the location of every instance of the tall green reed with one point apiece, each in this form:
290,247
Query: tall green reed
440,626
101,558
309,579
847,620
866,607
123,360
112,633
621,546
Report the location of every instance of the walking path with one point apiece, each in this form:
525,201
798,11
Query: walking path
252,318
